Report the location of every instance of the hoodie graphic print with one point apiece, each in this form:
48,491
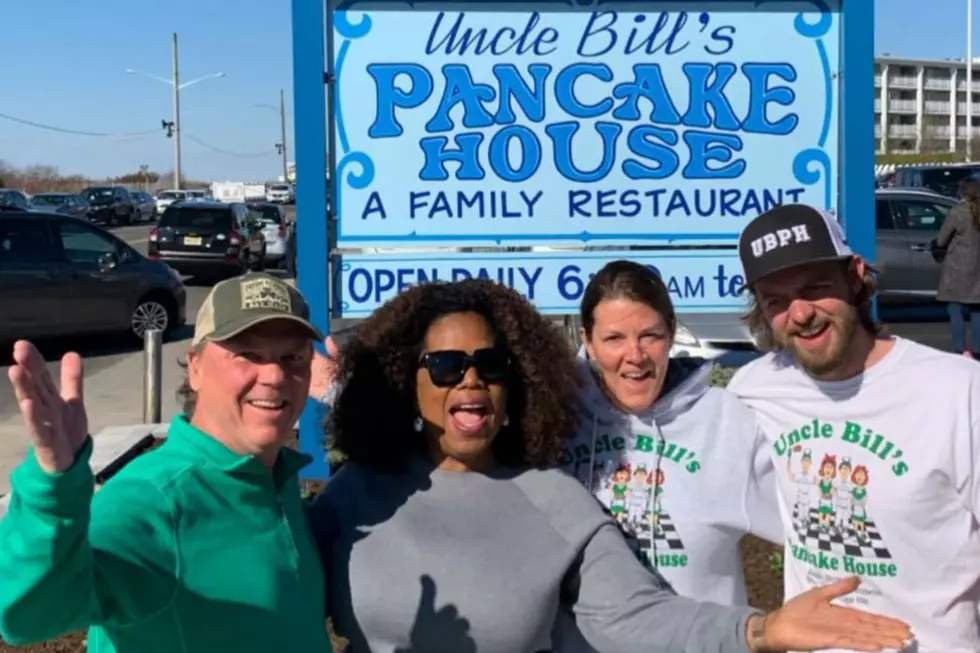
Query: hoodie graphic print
685,480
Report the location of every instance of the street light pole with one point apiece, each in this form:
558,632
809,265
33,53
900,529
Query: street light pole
176,90
282,120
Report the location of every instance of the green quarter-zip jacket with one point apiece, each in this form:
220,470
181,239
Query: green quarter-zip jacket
191,548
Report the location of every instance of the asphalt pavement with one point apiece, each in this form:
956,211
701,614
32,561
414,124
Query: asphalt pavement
113,373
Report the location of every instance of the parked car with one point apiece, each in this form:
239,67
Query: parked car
943,179
208,239
15,198
280,194
275,229
60,276
145,207
64,203
110,205
167,197
906,222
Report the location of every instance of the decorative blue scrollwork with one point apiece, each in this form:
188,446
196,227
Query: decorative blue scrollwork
818,29
806,172
355,180
343,26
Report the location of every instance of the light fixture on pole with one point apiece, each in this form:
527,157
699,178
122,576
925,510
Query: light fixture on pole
969,80
173,127
281,145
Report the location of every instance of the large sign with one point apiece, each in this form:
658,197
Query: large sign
701,281
610,124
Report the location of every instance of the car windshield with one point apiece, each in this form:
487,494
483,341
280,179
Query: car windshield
268,215
49,200
7,198
98,194
947,180
170,195
196,218
279,187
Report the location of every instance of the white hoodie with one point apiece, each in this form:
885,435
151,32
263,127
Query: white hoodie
687,478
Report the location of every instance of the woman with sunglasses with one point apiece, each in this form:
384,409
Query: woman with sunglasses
449,530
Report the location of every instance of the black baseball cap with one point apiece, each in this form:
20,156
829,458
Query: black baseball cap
787,236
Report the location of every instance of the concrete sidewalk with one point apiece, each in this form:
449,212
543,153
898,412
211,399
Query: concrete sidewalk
113,397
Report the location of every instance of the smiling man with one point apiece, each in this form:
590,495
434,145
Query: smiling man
200,545
884,431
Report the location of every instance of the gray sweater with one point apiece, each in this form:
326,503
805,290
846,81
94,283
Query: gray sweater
429,561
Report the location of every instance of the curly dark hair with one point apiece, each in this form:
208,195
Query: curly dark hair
371,421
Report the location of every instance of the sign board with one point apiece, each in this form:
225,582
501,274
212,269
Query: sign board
568,123
700,281
621,123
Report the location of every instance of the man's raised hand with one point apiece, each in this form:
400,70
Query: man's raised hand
55,417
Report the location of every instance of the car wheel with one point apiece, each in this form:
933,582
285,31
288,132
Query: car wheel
150,313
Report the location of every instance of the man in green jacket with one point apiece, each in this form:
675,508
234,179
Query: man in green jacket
198,546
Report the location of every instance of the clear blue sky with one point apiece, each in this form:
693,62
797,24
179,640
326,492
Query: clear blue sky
65,62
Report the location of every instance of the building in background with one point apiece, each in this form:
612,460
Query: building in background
920,105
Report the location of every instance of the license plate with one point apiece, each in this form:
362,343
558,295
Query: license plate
193,240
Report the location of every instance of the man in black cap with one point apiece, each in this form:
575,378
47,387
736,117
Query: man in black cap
905,416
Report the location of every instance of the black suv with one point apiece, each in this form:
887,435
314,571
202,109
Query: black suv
110,205
208,239
62,276
942,179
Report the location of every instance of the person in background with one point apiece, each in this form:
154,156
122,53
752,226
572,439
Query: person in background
905,418
449,530
687,460
200,545
959,283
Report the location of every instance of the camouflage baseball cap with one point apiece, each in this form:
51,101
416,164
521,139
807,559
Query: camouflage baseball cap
235,305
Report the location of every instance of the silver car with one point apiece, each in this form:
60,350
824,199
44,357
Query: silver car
276,230
906,222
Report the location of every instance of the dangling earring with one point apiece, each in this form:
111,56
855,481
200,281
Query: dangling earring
506,420
418,424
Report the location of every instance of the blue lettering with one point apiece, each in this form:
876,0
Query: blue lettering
648,83
706,147
467,155
461,89
640,143
760,95
388,96
530,153
561,134
501,42
592,30
513,86
704,93
374,205
565,90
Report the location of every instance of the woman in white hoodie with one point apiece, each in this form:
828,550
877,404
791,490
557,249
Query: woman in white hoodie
680,465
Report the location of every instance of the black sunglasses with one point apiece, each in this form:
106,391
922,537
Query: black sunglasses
448,367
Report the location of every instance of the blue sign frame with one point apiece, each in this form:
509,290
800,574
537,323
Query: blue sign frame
313,74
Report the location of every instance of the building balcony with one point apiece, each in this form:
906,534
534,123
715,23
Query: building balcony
938,131
933,106
961,109
901,131
937,84
903,82
902,106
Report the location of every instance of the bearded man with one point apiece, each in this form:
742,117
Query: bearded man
906,416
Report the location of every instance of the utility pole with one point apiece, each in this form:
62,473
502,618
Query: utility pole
282,120
176,85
